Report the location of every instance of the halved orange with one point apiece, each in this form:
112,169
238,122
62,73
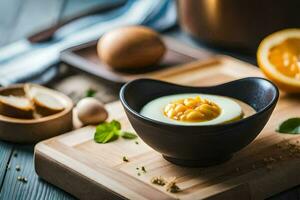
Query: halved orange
278,56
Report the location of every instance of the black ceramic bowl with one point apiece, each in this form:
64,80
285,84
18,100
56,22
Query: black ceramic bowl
199,145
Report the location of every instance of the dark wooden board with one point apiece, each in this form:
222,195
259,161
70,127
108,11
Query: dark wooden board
5,153
35,188
85,59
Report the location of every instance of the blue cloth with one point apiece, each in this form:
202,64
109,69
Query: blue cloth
23,61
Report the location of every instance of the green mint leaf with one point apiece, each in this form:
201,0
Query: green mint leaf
107,131
104,137
128,135
116,124
104,127
290,126
90,93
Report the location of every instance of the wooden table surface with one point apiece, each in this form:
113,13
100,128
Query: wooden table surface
19,18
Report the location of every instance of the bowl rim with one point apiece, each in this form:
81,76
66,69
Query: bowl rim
62,113
227,125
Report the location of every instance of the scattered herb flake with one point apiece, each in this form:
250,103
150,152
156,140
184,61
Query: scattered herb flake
138,173
172,187
90,93
125,159
144,169
158,180
22,179
290,126
128,135
18,168
136,142
137,168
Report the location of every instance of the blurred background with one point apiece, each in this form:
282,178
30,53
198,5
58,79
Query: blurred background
33,33
231,25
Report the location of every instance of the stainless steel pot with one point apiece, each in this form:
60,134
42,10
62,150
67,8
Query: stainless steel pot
237,23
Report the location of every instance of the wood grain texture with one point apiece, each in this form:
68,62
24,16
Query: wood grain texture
35,188
247,174
5,152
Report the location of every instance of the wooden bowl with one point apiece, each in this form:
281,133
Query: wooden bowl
35,130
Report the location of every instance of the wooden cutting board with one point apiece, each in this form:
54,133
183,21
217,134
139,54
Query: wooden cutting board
270,164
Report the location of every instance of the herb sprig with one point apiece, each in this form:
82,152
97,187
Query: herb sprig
90,93
109,131
290,126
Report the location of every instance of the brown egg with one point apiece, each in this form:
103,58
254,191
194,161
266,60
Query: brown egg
131,47
91,111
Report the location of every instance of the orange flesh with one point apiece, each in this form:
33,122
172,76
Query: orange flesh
192,110
286,57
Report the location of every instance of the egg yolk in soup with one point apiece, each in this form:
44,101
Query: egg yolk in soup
196,109
192,110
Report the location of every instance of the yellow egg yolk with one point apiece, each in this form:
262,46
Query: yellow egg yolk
286,57
192,110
